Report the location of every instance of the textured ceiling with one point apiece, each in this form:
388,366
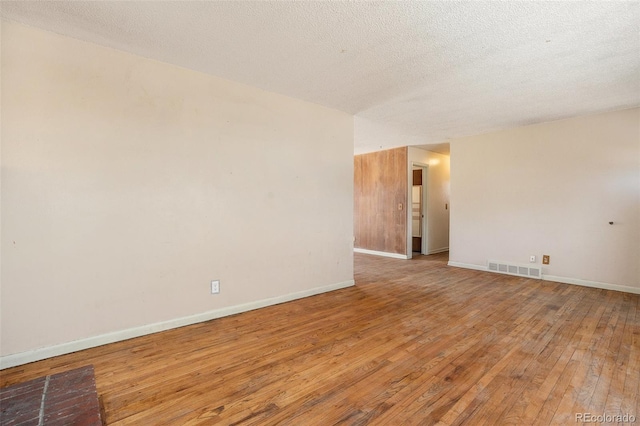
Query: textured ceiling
411,72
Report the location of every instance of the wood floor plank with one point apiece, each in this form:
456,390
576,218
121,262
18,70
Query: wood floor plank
503,350
631,394
441,382
414,342
609,347
525,405
593,362
619,351
560,407
507,388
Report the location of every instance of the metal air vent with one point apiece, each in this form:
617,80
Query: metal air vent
520,270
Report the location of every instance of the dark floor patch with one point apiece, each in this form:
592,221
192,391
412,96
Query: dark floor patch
63,399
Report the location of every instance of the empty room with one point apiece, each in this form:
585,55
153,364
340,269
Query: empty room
319,212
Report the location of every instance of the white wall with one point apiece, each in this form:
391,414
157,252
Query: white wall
129,184
437,199
371,136
552,189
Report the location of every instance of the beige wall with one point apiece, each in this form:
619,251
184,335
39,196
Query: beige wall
552,189
129,184
371,136
438,183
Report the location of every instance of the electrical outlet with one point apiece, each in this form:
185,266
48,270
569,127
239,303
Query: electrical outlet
215,286
532,259
545,259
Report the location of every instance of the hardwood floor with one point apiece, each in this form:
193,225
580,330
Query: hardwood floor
414,342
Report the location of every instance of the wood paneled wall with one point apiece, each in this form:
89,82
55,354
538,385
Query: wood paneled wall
380,200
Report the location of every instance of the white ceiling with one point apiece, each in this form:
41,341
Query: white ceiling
411,72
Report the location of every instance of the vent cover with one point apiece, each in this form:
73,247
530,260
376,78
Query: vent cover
529,271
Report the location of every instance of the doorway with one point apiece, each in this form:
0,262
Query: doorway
419,237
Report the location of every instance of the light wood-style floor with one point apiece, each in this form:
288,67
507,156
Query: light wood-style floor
414,342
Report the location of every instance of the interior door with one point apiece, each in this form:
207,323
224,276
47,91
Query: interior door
416,212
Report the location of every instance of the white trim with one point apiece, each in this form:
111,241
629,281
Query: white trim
594,284
564,280
440,250
467,266
13,360
381,253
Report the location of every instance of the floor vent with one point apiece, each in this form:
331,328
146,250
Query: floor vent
529,271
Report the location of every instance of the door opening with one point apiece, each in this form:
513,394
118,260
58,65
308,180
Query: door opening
418,211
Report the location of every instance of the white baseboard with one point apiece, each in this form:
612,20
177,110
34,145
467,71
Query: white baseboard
594,284
381,253
564,280
13,360
467,266
440,250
